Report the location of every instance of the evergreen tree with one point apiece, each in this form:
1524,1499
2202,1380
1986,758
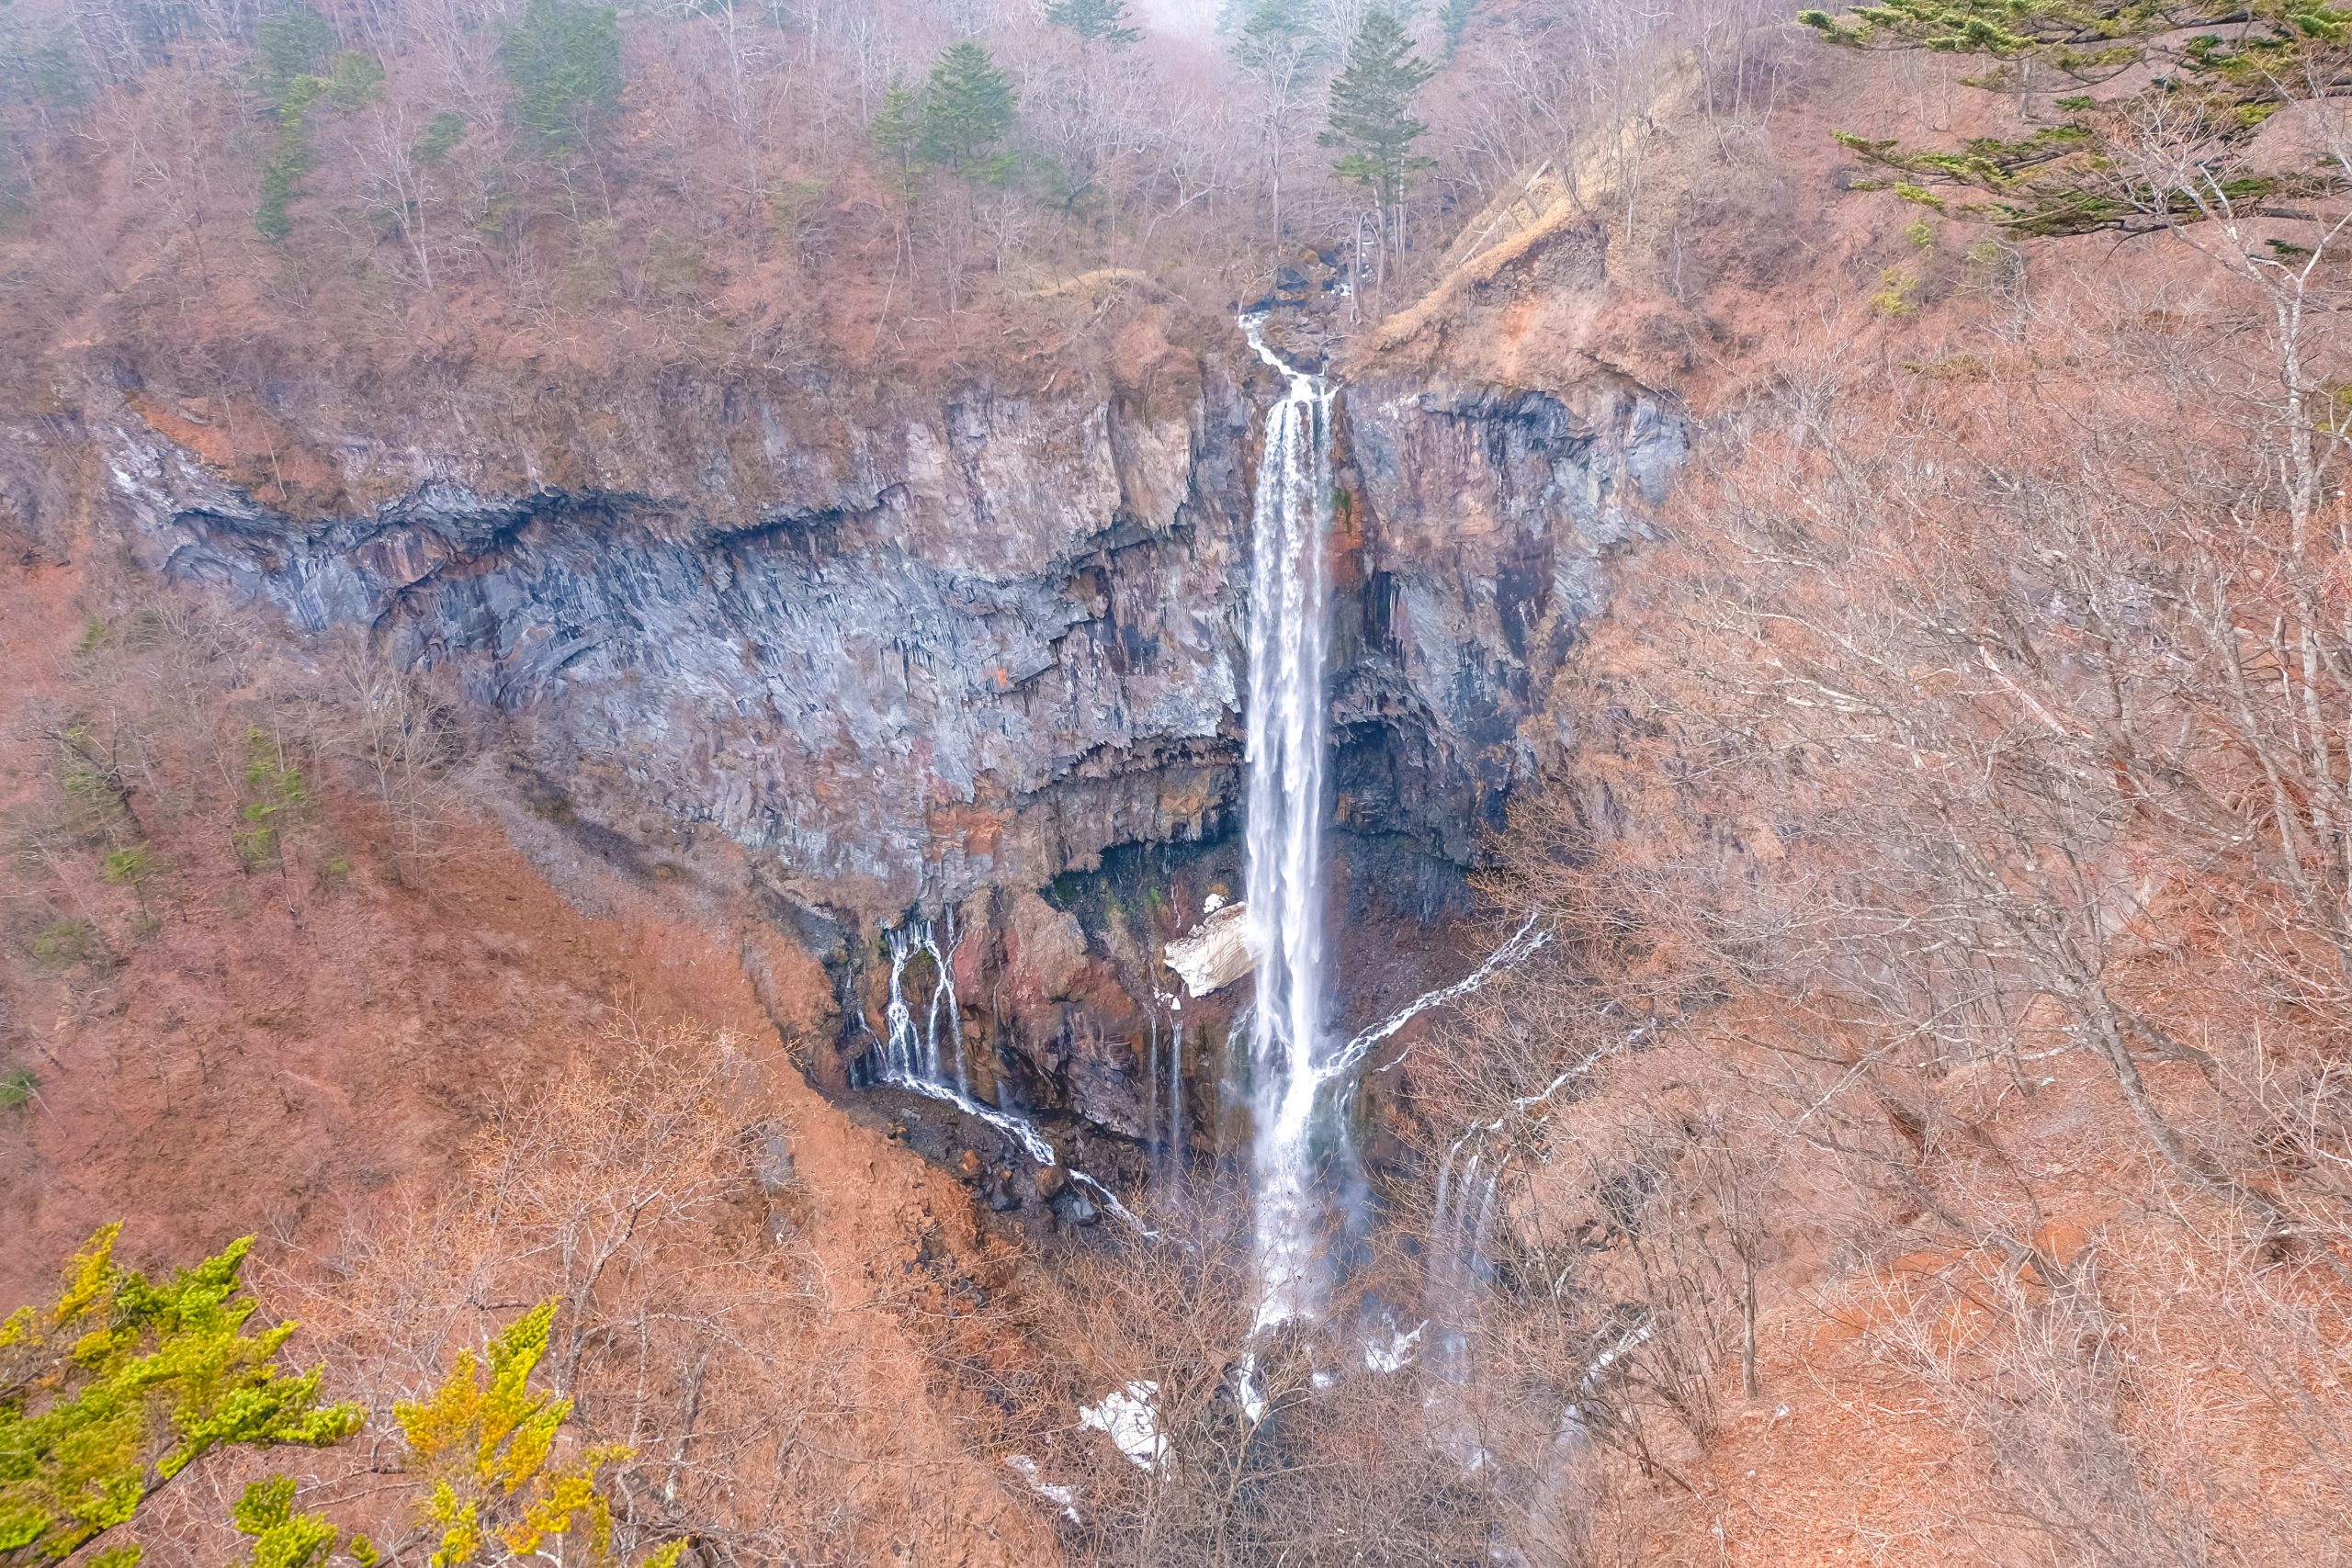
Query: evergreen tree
898,129
966,109
2209,72
1274,38
1093,19
1372,117
1454,20
564,61
292,44
443,134
353,77
47,73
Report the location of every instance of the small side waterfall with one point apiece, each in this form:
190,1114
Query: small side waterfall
1176,1101
1287,643
1164,1092
911,1057
1455,1263
913,1051
1461,1220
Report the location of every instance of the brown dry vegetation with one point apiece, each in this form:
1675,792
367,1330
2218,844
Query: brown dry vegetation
360,1021
731,218
1949,853
1931,1145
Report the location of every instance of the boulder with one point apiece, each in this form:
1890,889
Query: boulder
1216,953
1045,946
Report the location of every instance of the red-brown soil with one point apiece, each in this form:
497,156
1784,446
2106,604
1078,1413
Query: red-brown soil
272,1048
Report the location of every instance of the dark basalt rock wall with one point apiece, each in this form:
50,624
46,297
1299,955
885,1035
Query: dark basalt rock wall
998,642
1491,519
965,652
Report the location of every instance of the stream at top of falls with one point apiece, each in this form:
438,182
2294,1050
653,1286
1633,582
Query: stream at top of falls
1289,637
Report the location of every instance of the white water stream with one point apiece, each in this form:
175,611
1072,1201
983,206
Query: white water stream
1291,1066
911,1058
1288,634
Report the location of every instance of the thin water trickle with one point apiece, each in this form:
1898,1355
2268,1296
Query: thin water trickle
911,1057
1288,638
1176,1101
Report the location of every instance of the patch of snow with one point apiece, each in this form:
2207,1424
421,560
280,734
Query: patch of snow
1067,1496
1245,1388
1398,1353
1129,1419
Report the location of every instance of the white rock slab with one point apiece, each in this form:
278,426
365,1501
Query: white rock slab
1215,953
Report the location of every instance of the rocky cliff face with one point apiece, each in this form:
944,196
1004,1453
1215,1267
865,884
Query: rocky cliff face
977,645
966,648
1489,518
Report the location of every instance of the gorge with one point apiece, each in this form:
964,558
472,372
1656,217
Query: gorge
1036,782
1047,608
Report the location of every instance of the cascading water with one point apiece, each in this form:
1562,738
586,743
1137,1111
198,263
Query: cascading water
1164,1070
912,1052
911,1057
1287,640
1290,1065
1462,1220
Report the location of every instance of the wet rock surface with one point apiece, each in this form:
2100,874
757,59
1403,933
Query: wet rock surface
1491,518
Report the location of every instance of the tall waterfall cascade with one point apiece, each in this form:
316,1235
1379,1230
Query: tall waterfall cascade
1289,634
1297,1071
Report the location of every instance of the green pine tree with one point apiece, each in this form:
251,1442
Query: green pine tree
564,61
295,65
897,132
443,134
967,108
1454,20
1274,38
43,69
2209,72
1372,119
1093,19
294,42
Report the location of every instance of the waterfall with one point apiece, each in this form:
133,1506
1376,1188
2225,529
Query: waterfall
1462,1220
1287,637
1526,941
903,1050
942,996
911,1051
1164,1096
1454,1263
1154,1151
1176,1102
911,1058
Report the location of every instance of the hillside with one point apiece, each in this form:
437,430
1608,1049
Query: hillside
650,649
